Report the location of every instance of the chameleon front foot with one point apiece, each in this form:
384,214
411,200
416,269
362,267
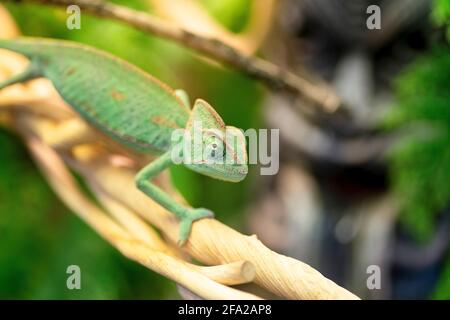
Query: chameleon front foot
188,218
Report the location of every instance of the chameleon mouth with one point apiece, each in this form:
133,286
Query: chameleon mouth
240,173
243,170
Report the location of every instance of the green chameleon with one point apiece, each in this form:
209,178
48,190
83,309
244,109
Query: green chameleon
136,110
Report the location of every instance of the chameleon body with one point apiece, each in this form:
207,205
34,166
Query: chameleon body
135,109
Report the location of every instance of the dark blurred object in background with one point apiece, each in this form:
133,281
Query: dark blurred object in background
347,197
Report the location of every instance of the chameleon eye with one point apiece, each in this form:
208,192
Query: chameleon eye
215,150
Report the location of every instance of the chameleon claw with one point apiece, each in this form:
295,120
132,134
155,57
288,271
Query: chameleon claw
186,222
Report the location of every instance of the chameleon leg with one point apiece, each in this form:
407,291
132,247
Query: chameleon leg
184,97
186,215
30,73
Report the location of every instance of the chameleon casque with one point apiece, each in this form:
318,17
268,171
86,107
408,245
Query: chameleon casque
135,109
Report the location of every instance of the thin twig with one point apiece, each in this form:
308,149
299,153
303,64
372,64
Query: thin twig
193,16
273,76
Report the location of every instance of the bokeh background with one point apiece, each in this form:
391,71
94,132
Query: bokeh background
343,200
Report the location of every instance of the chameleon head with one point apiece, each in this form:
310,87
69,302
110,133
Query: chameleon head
220,151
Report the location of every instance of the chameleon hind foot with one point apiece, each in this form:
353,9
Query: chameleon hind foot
186,221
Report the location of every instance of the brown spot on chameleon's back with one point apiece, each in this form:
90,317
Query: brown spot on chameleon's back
70,71
88,108
164,122
118,96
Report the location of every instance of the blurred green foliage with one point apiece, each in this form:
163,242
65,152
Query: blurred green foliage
442,290
420,163
40,238
441,14
232,13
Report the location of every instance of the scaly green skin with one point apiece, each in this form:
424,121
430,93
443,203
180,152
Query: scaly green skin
131,107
